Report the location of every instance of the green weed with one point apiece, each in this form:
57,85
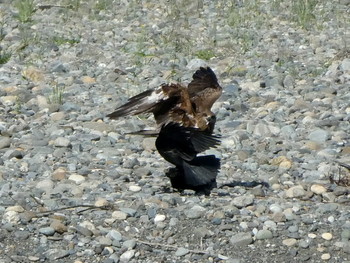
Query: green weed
205,54
26,9
56,96
4,57
304,12
58,40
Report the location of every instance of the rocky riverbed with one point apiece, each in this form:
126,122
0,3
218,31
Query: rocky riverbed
74,187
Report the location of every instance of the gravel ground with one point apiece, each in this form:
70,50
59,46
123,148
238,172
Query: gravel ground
75,188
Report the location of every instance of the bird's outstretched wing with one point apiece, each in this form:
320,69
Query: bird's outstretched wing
203,78
204,89
159,101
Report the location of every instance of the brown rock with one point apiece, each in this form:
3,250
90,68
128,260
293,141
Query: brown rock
88,80
59,174
33,74
58,226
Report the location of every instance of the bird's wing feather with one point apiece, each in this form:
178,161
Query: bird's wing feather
176,142
202,79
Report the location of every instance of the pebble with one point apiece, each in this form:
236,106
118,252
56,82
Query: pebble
129,244
295,192
101,202
327,236
243,201
104,240
84,231
318,135
10,217
241,239
195,212
318,189
57,116
159,218
181,251
5,142
45,185
312,235
119,215
345,234
88,80
127,256
15,208
148,144
62,142
77,178
115,235
135,188
59,174
33,258
274,208
58,226
263,234
282,162
47,231
129,211
326,256
22,235
289,242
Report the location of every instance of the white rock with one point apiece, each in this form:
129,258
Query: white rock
159,218
327,236
61,142
325,256
77,178
126,256
289,242
45,184
318,189
10,217
295,191
312,235
16,208
275,208
119,215
135,188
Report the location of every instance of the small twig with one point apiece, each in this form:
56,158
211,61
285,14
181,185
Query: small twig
171,247
43,7
37,200
347,166
89,207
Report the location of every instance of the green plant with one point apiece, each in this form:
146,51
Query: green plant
18,105
205,54
56,96
4,57
58,40
2,32
74,4
26,9
103,4
304,12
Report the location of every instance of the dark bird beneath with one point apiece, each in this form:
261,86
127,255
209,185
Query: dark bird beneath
185,125
180,145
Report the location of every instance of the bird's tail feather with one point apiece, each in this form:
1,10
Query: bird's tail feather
202,170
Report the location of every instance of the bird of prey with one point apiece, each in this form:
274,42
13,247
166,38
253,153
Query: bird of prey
185,126
190,107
